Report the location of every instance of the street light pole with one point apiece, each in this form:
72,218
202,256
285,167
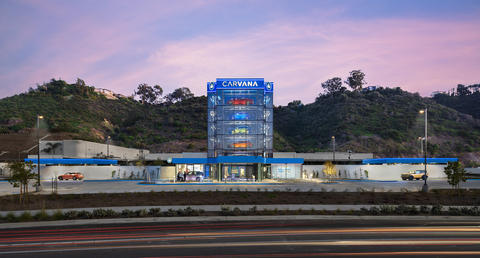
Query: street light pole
425,186
39,186
108,153
333,138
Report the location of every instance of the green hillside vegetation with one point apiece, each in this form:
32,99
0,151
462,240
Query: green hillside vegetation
466,99
385,122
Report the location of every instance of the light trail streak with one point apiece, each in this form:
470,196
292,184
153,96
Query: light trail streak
283,243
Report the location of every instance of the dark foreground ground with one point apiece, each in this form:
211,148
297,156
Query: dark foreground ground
234,197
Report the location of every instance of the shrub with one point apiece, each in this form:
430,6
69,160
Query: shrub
374,210
57,215
401,209
387,209
85,214
25,216
41,215
128,213
10,216
100,213
474,211
71,214
170,213
226,209
414,210
437,209
424,209
154,211
454,211
141,212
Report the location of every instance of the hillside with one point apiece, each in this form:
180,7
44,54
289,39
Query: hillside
385,122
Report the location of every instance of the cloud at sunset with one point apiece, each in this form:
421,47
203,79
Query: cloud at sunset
298,54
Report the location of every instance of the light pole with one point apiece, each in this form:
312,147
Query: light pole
333,138
108,153
425,186
39,186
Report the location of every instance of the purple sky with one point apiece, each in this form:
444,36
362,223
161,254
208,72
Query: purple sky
420,46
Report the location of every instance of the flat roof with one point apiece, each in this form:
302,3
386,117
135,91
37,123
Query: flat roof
74,161
409,160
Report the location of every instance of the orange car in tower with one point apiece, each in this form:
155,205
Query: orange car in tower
242,144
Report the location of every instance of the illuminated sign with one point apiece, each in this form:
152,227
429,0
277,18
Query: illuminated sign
240,83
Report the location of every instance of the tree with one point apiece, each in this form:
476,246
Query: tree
332,85
145,92
356,80
21,176
51,147
329,169
179,95
455,173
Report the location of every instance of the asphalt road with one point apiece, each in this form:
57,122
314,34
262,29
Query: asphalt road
120,186
247,239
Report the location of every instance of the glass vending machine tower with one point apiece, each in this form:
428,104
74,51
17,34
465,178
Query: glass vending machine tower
240,117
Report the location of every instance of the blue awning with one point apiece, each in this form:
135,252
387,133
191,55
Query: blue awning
237,159
74,161
409,161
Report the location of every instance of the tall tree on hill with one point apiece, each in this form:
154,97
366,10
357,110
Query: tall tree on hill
179,95
147,93
332,85
356,80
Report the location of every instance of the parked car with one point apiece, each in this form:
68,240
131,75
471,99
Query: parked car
414,174
240,101
240,116
71,175
239,129
242,144
194,176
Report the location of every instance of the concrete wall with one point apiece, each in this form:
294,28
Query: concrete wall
97,172
378,172
84,149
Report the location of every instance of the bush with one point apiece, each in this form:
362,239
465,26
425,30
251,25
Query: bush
154,211
58,215
374,210
170,213
141,212
11,216
41,215
387,209
100,213
424,209
454,211
437,209
71,214
85,214
414,210
401,209
25,216
128,213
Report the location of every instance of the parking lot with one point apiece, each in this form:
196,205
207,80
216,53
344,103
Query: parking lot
120,186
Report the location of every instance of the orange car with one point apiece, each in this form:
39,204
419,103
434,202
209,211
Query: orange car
242,144
71,175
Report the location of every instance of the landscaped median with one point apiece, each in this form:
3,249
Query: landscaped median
237,202
228,210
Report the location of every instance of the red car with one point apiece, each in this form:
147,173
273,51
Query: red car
237,101
71,175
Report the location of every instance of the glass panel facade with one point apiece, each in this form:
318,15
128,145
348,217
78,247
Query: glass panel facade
240,118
